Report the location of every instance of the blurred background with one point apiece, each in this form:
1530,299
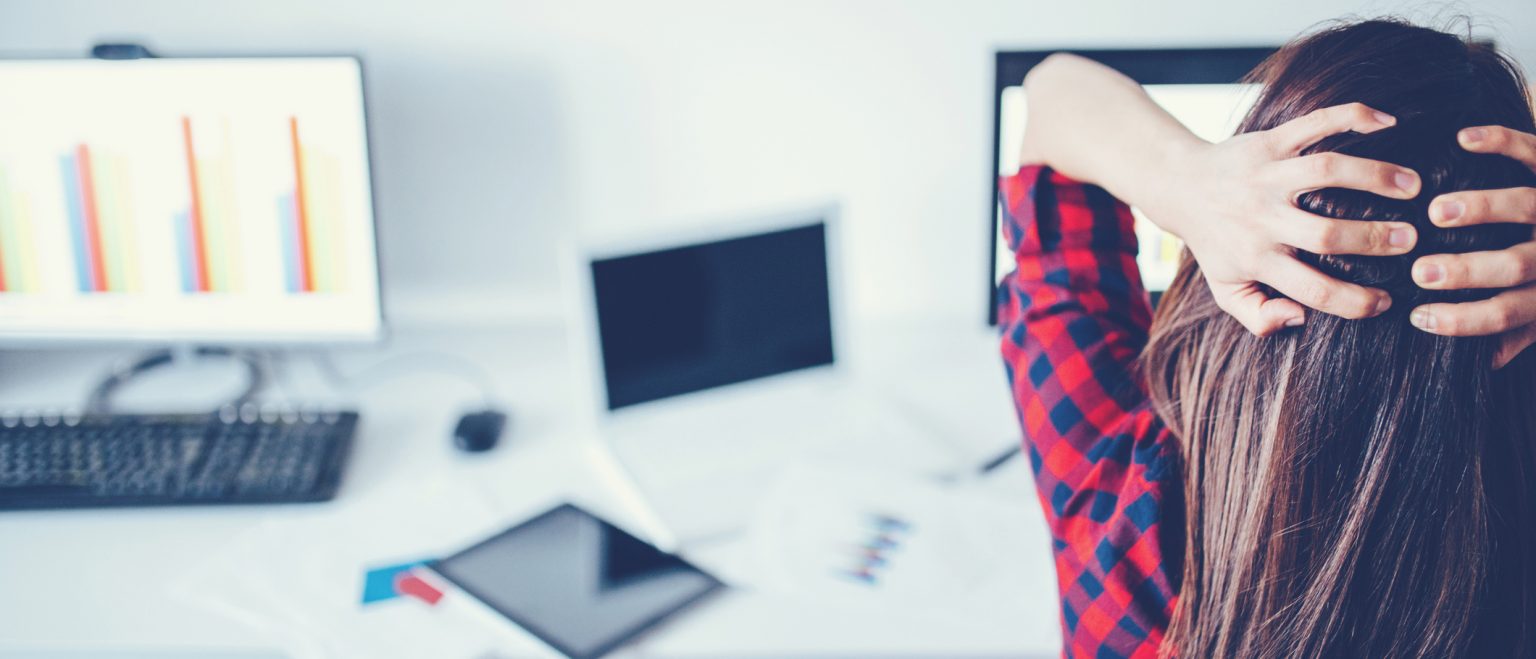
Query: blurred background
512,150
501,126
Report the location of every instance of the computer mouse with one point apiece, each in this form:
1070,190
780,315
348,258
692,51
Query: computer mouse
478,432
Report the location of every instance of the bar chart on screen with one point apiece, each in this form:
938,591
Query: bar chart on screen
219,193
213,234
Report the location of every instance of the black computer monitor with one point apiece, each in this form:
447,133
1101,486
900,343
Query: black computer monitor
1200,86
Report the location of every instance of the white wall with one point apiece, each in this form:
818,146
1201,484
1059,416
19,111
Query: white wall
501,127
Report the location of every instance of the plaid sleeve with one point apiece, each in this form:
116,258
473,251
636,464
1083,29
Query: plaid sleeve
1074,317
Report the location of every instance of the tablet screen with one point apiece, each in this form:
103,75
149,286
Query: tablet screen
577,582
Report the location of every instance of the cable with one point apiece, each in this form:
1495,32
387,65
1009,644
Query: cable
99,401
998,461
261,367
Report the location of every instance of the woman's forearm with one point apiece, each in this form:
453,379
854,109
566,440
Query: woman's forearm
1094,124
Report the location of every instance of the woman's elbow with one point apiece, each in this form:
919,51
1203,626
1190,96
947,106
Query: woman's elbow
1054,67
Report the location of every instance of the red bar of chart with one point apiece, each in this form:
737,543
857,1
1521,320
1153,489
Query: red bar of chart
101,223
206,232
308,218
194,257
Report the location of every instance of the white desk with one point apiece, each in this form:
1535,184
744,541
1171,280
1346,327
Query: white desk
94,579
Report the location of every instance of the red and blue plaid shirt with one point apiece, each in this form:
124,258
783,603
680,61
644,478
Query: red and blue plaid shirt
1074,318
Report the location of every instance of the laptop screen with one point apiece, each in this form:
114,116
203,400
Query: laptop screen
694,317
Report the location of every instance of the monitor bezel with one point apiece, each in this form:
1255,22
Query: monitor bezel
1147,66
242,339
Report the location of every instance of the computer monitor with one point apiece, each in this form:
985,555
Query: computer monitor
208,200
1201,87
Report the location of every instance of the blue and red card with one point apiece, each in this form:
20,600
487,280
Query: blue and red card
400,580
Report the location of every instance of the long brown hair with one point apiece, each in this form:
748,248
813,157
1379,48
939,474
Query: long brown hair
1360,488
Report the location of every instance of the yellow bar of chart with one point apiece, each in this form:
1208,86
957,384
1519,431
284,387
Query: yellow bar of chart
18,254
117,226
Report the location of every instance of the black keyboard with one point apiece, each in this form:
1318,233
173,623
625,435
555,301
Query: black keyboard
245,455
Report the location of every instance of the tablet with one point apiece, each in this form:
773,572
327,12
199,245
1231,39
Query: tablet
580,584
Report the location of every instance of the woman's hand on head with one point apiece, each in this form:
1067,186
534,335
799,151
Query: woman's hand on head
1234,205
1511,313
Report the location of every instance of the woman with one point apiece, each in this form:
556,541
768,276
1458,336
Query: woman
1241,477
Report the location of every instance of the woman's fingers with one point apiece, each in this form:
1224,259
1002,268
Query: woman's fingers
1500,140
1456,209
1258,313
1289,138
1511,313
1513,308
1322,235
1303,284
1483,206
1494,269
1336,170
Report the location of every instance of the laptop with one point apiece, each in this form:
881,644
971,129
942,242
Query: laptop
715,359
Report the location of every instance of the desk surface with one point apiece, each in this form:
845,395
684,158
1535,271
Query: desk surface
97,579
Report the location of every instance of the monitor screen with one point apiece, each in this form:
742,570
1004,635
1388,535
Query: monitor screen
1198,87
689,318
208,200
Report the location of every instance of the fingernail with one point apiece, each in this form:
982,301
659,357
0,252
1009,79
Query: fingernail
1383,304
1295,322
1400,237
1385,119
1473,135
1429,273
1450,211
1421,319
1405,181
